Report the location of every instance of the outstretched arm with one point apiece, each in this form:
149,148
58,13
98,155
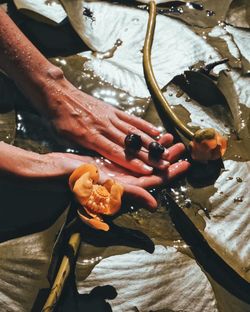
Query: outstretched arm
26,165
75,115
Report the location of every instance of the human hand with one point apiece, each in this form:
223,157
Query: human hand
56,166
103,128
134,185
79,117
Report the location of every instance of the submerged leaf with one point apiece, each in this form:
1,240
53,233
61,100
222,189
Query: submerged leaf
49,11
23,268
220,211
76,71
164,280
227,83
223,208
232,43
204,13
239,14
228,229
242,38
117,36
219,38
214,116
201,88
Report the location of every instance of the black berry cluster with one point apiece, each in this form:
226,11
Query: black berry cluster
133,144
155,150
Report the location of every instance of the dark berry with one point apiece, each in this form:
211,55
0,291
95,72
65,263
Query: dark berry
155,150
133,143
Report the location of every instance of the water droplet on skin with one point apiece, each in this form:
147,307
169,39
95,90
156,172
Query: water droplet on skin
238,179
229,178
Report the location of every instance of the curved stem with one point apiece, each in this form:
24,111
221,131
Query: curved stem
62,275
150,77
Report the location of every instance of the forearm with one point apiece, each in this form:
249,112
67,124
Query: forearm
30,70
19,163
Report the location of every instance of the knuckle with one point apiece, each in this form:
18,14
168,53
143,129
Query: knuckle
132,129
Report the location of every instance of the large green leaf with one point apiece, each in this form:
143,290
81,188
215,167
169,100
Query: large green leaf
118,58
135,274
220,211
24,264
76,70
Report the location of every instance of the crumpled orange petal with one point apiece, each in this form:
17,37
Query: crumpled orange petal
95,223
78,172
96,199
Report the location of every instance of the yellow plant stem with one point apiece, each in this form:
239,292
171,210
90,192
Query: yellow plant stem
150,77
62,275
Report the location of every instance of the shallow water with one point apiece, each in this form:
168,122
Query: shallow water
158,227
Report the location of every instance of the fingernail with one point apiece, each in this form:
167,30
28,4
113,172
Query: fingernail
155,129
166,154
164,164
148,168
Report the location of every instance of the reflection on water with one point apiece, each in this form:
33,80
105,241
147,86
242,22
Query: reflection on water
52,2
84,79
110,52
178,7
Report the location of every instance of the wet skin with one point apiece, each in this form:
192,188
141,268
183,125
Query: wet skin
80,118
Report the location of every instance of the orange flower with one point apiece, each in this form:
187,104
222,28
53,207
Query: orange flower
95,199
208,145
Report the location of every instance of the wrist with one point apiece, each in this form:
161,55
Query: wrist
57,94
16,162
47,85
